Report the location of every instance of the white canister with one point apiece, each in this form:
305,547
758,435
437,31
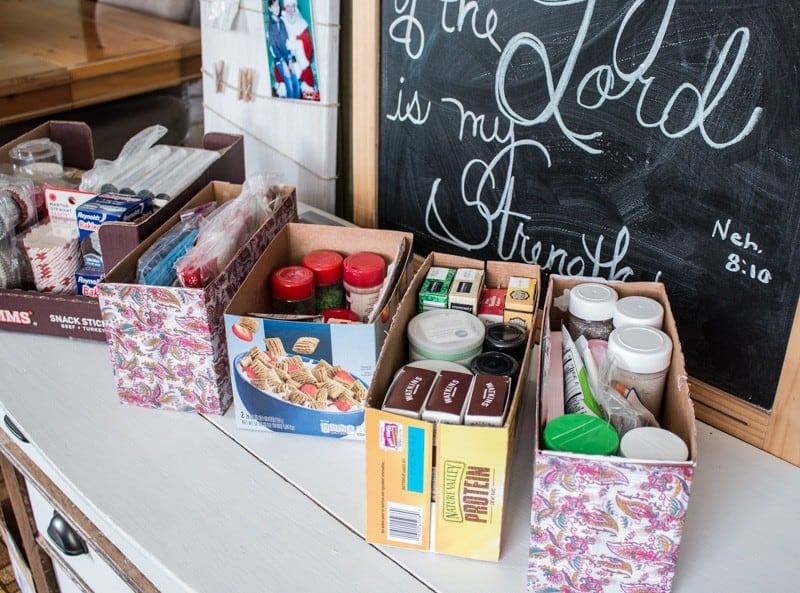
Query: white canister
638,310
591,310
445,334
653,444
640,359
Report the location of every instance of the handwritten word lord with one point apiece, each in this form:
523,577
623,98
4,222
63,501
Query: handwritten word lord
500,224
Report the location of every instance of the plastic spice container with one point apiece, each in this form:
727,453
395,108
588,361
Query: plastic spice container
510,338
495,363
363,277
580,433
653,444
638,310
591,310
328,285
640,358
292,291
445,334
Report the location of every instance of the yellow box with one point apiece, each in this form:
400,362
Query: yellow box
449,498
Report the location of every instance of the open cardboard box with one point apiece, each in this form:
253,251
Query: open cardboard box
607,519
167,343
351,347
468,473
78,316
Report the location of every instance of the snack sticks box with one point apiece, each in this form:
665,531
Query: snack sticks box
167,343
78,316
331,364
466,476
628,513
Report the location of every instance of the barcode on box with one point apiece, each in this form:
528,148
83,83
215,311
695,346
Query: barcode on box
404,523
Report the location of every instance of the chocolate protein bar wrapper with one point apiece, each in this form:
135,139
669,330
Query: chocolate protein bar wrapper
409,391
488,402
448,397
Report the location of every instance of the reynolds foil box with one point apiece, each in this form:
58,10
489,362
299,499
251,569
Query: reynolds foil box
110,208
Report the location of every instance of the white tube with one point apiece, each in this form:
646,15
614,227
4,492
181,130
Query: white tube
578,397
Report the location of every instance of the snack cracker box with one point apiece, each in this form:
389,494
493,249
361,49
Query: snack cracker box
609,520
78,316
167,343
331,364
441,490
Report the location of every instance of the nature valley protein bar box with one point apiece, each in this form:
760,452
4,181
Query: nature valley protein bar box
433,485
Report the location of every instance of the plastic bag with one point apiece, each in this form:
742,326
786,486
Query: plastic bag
226,230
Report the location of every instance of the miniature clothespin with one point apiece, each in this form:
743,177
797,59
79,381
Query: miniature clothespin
245,84
219,75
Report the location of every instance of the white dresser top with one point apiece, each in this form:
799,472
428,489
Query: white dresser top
199,505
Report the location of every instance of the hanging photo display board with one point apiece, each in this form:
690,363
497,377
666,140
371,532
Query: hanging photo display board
627,140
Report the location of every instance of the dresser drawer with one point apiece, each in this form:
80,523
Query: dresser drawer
74,558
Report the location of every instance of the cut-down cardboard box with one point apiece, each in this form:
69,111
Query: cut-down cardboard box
78,316
609,520
340,356
167,343
439,487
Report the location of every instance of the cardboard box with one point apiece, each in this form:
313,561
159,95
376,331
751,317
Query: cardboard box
168,343
351,347
78,316
470,479
604,519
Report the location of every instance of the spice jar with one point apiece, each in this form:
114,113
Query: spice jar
363,277
591,310
510,338
292,291
495,363
328,286
640,358
638,310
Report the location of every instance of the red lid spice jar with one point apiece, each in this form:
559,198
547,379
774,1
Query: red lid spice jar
364,273
328,286
292,291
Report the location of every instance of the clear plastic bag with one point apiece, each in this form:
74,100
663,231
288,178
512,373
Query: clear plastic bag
227,229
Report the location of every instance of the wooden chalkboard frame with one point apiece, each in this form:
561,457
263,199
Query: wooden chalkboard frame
776,431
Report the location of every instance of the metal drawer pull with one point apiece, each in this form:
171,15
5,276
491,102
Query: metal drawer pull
14,430
65,537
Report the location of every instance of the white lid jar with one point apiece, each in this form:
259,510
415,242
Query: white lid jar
638,310
640,358
653,444
445,334
591,310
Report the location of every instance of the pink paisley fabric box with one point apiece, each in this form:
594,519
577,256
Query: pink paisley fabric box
605,522
167,343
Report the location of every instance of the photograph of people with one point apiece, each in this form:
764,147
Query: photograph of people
291,49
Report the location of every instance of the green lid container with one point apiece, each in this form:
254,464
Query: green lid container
581,433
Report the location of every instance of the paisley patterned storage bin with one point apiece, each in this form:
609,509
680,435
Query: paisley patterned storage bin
606,523
167,344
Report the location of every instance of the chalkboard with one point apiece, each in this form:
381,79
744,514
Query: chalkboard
629,140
